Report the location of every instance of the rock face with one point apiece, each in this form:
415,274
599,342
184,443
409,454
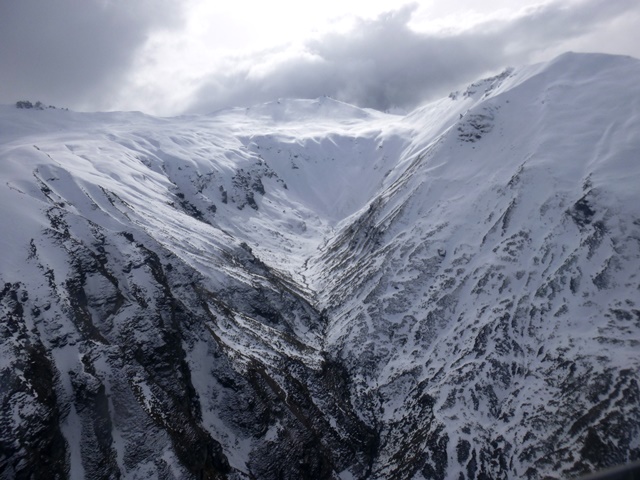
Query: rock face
307,290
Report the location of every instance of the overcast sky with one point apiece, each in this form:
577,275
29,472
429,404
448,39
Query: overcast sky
168,57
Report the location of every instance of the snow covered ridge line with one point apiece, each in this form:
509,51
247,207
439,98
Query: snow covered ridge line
305,289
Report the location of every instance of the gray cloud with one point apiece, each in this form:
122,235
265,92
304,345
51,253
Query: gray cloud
74,52
85,55
383,63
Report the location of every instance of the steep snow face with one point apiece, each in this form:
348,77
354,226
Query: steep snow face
157,276
306,289
489,295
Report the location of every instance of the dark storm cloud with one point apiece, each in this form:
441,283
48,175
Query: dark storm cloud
73,51
383,63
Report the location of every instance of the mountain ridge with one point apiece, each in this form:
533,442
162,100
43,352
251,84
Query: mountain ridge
446,294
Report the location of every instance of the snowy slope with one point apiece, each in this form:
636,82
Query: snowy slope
306,289
495,283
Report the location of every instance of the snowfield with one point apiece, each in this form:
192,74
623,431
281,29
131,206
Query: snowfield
307,289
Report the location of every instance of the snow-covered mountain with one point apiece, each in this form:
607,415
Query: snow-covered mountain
306,289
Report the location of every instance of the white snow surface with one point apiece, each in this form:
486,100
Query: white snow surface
444,188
